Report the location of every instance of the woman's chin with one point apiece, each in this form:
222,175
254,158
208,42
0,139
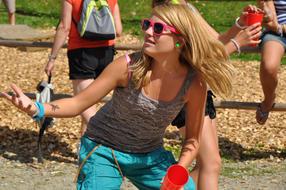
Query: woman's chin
148,49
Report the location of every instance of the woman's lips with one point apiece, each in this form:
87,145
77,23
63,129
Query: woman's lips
149,42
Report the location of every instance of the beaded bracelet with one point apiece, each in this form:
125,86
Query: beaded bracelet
236,45
238,25
52,57
40,113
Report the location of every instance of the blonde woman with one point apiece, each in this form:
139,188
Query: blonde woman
207,169
125,137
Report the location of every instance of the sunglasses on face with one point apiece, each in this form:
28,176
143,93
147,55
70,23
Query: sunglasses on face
158,27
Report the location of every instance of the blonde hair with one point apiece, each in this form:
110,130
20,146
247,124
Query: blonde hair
205,54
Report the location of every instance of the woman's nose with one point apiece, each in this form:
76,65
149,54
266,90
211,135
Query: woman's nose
149,31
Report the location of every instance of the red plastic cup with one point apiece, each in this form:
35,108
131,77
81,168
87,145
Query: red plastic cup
253,18
177,176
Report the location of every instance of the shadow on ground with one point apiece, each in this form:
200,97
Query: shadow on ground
234,151
21,145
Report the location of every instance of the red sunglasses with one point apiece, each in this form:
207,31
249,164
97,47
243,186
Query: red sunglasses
158,27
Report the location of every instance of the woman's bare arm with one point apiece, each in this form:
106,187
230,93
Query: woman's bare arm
196,99
115,74
61,35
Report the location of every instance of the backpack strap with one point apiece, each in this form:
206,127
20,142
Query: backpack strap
128,60
73,20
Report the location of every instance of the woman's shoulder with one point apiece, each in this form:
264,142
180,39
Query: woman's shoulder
120,68
197,86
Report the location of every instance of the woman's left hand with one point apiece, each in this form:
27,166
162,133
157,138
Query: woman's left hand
20,100
250,35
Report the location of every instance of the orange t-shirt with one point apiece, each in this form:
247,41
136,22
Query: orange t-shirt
75,41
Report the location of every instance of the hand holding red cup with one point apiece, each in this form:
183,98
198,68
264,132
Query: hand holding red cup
177,176
253,17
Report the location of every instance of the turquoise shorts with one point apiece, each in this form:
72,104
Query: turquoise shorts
100,170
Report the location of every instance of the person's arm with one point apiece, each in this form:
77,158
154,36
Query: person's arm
117,20
241,37
270,16
245,37
61,35
238,26
115,74
195,109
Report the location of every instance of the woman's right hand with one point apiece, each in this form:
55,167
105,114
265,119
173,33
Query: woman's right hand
249,36
20,100
245,11
49,67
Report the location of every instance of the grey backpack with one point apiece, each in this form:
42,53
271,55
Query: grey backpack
96,21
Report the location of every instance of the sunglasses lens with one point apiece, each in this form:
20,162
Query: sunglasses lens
145,25
158,28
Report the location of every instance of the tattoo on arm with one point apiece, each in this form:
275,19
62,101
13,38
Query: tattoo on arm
54,107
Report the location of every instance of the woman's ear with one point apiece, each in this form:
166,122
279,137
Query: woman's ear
177,44
180,42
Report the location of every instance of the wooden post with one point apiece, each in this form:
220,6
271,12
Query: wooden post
246,105
16,43
218,104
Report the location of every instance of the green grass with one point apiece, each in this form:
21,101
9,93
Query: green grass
132,12
232,170
45,13
221,14
35,13
176,150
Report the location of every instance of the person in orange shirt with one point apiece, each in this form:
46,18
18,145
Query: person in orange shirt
86,58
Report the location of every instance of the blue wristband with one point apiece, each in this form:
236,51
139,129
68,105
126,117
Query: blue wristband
40,113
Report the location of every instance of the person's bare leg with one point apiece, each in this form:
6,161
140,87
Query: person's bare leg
78,86
207,169
271,55
12,18
11,9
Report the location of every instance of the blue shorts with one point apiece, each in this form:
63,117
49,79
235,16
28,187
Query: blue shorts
272,36
145,171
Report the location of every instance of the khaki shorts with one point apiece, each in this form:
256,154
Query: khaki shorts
10,5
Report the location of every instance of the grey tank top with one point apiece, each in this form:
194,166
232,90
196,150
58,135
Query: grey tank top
131,122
